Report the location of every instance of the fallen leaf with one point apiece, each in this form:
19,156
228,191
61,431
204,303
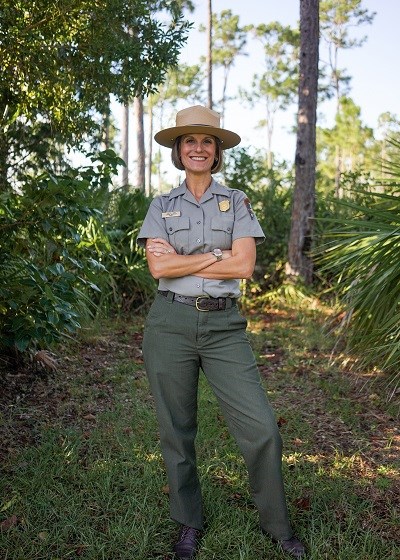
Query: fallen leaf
9,523
303,504
235,497
44,358
281,421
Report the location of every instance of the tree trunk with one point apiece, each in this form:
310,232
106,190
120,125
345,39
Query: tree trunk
209,55
141,160
150,150
223,98
301,233
4,185
125,144
105,137
338,171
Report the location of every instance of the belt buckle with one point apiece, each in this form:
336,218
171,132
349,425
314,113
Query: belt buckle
197,303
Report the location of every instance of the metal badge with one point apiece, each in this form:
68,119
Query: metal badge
170,214
224,205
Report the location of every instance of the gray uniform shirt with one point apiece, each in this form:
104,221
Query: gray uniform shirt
191,227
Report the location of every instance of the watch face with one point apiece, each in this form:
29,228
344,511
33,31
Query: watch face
218,254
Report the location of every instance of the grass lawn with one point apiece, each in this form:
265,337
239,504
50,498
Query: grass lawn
82,475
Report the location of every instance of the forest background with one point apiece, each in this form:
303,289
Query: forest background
68,232
81,469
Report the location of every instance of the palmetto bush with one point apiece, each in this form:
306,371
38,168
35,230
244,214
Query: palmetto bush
362,255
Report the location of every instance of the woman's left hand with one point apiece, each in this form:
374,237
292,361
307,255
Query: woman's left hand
159,247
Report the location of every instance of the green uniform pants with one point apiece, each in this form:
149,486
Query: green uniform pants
178,340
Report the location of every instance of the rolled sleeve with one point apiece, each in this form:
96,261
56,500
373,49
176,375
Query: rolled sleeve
153,224
246,223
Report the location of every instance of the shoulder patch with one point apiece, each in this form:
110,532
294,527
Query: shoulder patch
249,208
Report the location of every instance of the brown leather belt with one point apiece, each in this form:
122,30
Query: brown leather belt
201,303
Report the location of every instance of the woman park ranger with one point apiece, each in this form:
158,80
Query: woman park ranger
200,239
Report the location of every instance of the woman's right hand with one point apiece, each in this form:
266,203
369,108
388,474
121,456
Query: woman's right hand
159,247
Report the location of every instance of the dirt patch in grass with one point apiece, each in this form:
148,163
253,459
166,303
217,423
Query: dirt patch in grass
80,388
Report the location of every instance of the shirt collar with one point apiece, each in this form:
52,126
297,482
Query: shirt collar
214,188
217,188
178,191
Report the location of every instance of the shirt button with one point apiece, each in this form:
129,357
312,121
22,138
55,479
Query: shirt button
198,240
198,223
228,229
197,285
170,229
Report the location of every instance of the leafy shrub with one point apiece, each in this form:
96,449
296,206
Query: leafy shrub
129,283
51,235
270,192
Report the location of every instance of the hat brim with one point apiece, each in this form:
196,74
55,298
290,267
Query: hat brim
168,136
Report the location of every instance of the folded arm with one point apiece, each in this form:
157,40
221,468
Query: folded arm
239,265
164,262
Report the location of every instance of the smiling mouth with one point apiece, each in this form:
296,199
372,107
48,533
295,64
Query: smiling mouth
198,158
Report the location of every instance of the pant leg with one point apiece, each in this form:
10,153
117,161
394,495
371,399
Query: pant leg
172,366
229,365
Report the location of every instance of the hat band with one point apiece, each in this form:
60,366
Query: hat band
200,124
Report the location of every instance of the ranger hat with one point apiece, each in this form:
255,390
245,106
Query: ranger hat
197,120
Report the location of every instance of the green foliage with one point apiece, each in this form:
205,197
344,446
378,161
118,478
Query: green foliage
350,139
61,62
183,82
270,192
51,236
362,254
113,46
337,19
227,43
228,38
277,86
129,283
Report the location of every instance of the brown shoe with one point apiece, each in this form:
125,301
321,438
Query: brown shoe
186,546
293,547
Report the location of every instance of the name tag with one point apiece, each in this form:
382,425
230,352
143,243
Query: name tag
170,214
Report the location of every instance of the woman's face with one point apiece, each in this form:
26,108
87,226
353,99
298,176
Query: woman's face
197,152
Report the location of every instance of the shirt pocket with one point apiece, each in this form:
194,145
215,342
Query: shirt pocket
178,233
221,232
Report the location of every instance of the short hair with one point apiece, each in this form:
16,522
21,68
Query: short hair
176,160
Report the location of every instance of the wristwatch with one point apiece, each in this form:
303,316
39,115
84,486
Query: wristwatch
217,254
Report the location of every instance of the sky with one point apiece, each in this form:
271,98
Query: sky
375,83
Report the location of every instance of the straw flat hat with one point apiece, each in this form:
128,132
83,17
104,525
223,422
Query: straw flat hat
197,120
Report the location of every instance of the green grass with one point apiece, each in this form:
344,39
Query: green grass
93,485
